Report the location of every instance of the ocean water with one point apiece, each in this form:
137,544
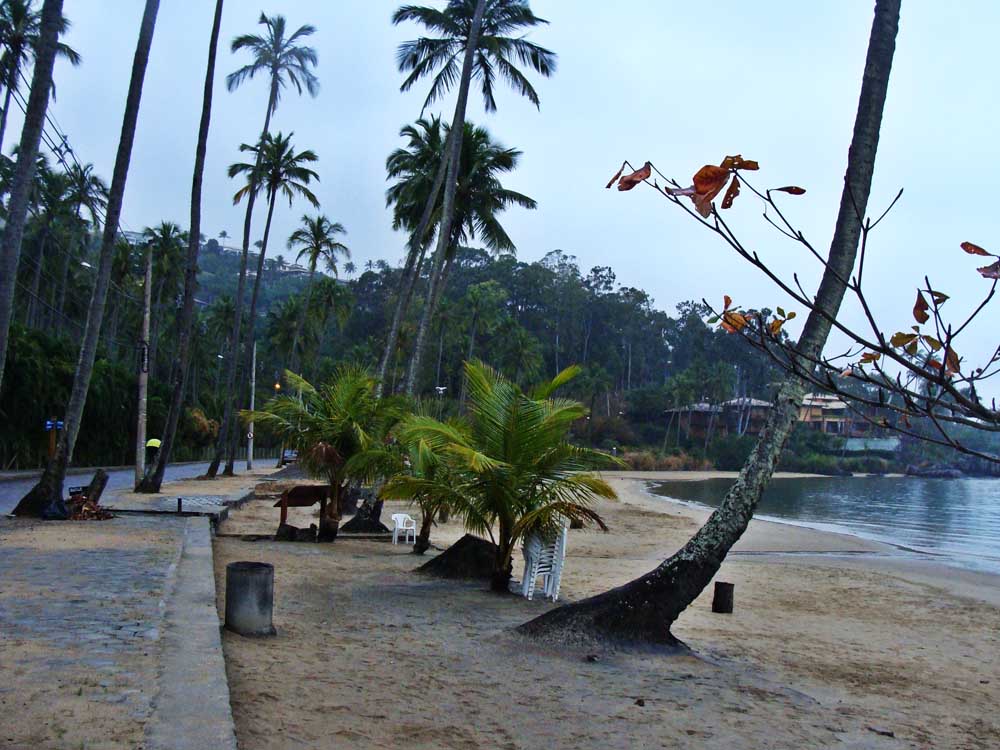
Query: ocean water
955,519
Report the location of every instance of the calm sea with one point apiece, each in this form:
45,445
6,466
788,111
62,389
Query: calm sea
958,519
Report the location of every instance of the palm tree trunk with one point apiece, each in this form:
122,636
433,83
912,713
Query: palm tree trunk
411,271
179,374
6,106
292,357
643,610
222,440
234,434
448,205
36,281
24,172
49,488
468,357
60,306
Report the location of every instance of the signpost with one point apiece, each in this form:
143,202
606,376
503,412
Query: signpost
53,427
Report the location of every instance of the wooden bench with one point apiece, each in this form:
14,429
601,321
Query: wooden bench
303,496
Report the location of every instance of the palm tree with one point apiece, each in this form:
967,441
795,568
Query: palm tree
90,192
54,210
278,169
350,269
49,488
187,318
643,610
512,470
22,181
167,243
330,426
20,34
286,62
316,240
479,194
481,30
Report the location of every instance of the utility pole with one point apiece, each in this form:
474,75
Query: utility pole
140,429
253,389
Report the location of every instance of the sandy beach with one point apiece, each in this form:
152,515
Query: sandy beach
835,642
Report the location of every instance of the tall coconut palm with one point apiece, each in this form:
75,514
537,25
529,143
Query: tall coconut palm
20,34
187,316
286,62
22,181
479,195
54,211
87,192
278,170
643,610
480,30
316,240
167,243
49,488
512,470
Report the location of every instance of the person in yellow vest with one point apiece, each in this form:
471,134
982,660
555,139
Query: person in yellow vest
152,450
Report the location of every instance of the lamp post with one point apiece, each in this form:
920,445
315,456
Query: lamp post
281,447
140,430
253,389
440,389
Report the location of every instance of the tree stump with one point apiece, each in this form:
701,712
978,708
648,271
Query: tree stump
250,598
722,601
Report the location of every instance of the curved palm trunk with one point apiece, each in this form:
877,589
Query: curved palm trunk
234,434
411,271
448,205
468,356
644,609
234,338
6,105
179,375
24,172
50,485
293,359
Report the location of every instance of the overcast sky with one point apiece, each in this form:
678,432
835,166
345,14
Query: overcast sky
681,84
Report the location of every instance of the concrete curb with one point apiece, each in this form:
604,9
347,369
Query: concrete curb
191,710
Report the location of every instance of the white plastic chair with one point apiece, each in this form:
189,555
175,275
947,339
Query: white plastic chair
543,560
401,522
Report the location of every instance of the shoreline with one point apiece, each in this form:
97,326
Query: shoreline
770,540
970,563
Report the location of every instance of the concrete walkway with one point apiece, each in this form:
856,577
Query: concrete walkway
109,635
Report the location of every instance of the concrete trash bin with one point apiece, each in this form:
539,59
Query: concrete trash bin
250,598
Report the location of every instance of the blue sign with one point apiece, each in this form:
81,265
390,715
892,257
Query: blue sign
59,425
49,425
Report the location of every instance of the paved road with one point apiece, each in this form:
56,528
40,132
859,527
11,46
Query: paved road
12,490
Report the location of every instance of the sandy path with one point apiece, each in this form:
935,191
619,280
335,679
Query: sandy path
821,650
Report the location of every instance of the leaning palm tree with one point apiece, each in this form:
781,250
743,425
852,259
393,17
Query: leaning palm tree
316,240
479,195
187,322
330,425
278,170
49,488
480,31
20,34
22,179
511,470
287,63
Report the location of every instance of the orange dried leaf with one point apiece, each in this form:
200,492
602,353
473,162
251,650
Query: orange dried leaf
990,272
617,175
868,357
791,190
710,180
973,249
933,343
951,364
775,326
630,181
727,300
738,162
900,339
731,193
920,309
733,321
939,298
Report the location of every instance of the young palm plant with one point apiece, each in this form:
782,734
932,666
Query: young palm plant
316,240
511,470
329,426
